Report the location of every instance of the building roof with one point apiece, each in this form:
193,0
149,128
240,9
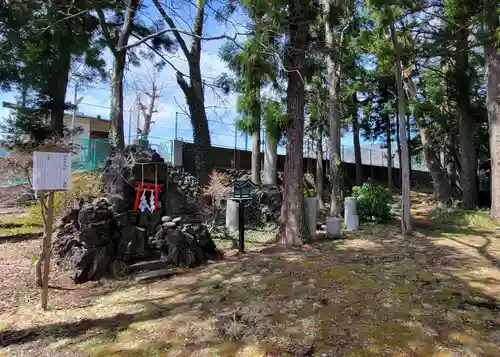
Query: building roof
81,115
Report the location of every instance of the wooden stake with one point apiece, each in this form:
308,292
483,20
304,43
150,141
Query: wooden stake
47,238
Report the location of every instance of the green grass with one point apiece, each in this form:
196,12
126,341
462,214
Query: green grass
18,231
83,185
15,224
463,218
254,236
20,219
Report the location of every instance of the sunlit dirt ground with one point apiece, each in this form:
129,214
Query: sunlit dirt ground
373,293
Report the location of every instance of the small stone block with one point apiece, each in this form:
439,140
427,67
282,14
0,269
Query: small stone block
153,275
166,219
149,265
169,225
177,219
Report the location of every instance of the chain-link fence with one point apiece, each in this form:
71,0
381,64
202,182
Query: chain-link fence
89,154
92,153
370,156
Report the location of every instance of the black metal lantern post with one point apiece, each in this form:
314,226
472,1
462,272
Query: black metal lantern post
242,190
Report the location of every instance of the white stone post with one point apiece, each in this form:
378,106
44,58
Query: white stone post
333,227
232,216
350,214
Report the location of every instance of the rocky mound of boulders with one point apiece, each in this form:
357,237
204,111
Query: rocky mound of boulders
186,182
183,241
270,201
102,238
124,169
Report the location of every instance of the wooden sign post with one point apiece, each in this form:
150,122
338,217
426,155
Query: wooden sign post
51,173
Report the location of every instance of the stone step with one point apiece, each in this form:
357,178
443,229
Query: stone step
148,265
154,274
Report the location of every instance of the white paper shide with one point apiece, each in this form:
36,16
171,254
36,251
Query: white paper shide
51,171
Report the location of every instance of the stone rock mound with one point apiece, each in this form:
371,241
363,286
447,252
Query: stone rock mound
133,164
186,182
271,200
103,238
86,240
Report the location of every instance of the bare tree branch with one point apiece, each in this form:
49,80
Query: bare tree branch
64,19
181,31
171,23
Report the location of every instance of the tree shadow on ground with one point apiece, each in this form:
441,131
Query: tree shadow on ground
16,238
448,231
375,293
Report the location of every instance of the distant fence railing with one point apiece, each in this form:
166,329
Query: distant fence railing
92,154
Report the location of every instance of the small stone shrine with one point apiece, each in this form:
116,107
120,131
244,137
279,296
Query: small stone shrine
142,218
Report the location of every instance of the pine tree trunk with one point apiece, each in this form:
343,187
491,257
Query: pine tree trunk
333,114
57,92
408,131
390,179
256,140
256,157
116,137
199,122
453,177
320,171
270,160
357,151
405,159
398,148
468,159
440,183
202,144
195,98
492,56
293,230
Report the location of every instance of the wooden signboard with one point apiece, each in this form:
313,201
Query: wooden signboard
51,172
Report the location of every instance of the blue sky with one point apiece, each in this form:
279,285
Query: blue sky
220,108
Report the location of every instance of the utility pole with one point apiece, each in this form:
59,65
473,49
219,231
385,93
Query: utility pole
130,123
176,124
138,114
73,119
76,101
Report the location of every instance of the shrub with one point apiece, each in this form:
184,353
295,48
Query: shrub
219,187
373,202
309,192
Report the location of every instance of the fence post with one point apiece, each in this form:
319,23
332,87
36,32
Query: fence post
235,142
371,165
92,156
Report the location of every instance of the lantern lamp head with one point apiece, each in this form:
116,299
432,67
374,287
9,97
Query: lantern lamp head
242,189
